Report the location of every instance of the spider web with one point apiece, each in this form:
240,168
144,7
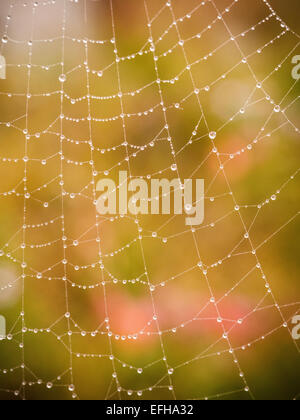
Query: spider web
104,306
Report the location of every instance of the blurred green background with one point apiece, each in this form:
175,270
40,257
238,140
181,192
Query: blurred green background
58,365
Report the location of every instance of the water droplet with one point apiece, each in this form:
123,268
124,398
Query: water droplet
188,208
62,78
